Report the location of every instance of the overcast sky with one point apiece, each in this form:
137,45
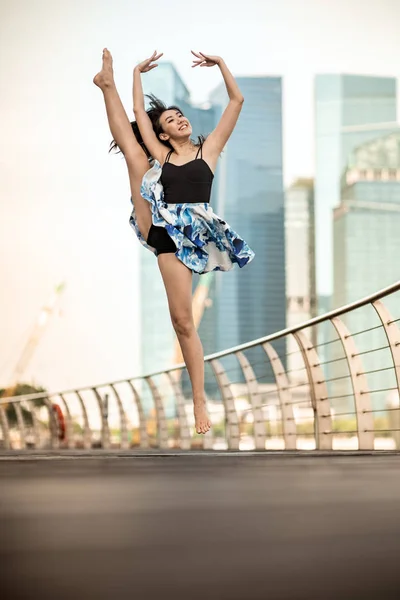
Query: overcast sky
65,202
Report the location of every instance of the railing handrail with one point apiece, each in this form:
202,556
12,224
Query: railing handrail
268,338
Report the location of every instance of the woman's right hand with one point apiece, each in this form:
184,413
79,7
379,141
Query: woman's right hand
146,65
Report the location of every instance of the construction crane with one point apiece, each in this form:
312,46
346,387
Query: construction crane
40,324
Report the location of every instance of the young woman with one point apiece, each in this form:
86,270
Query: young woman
177,224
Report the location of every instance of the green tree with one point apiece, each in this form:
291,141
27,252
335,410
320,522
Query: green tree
20,389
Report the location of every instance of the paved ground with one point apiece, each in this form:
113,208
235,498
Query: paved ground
189,526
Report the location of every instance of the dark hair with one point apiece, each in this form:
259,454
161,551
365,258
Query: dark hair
156,109
135,129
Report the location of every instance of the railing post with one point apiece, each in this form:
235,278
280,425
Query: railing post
105,430
53,427
21,423
35,423
362,401
254,395
285,397
122,419
5,426
318,391
144,437
162,429
232,421
87,432
184,431
393,337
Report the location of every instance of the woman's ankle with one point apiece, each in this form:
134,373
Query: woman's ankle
199,398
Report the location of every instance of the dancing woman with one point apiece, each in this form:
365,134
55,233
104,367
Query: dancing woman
179,226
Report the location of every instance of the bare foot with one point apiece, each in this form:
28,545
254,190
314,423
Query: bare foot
105,77
202,421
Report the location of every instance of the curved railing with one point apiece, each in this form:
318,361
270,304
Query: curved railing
330,383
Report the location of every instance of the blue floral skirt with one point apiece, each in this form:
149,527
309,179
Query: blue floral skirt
204,242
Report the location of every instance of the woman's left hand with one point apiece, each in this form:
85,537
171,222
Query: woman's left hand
205,60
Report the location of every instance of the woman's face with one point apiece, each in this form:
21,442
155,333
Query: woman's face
174,125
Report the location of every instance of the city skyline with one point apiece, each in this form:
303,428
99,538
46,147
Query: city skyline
67,203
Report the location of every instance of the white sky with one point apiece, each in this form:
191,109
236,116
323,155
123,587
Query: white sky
65,202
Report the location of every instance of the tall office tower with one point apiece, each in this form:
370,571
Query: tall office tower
248,194
300,264
367,246
157,334
349,110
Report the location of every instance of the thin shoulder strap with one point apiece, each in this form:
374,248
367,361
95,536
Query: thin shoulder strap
168,155
200,151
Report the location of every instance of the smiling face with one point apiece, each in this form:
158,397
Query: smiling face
174,125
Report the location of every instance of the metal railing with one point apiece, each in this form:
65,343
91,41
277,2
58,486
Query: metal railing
277,392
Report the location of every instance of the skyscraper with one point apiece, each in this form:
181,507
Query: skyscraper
367,246
350,110
248,193
367,221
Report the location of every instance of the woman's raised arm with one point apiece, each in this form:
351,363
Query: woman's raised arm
155,147
216,141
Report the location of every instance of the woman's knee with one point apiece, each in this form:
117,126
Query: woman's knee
183,324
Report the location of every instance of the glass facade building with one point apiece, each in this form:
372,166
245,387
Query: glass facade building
248,194
300,264
367,222
349,110
367,246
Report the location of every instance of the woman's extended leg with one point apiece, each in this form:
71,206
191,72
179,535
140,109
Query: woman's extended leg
124,137
178,284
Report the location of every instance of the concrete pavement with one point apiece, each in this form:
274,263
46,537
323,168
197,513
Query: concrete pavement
235,526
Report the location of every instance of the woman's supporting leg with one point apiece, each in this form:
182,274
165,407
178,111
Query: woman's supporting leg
178,284
124,137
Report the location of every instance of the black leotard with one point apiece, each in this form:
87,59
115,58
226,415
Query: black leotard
187,183
192,184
